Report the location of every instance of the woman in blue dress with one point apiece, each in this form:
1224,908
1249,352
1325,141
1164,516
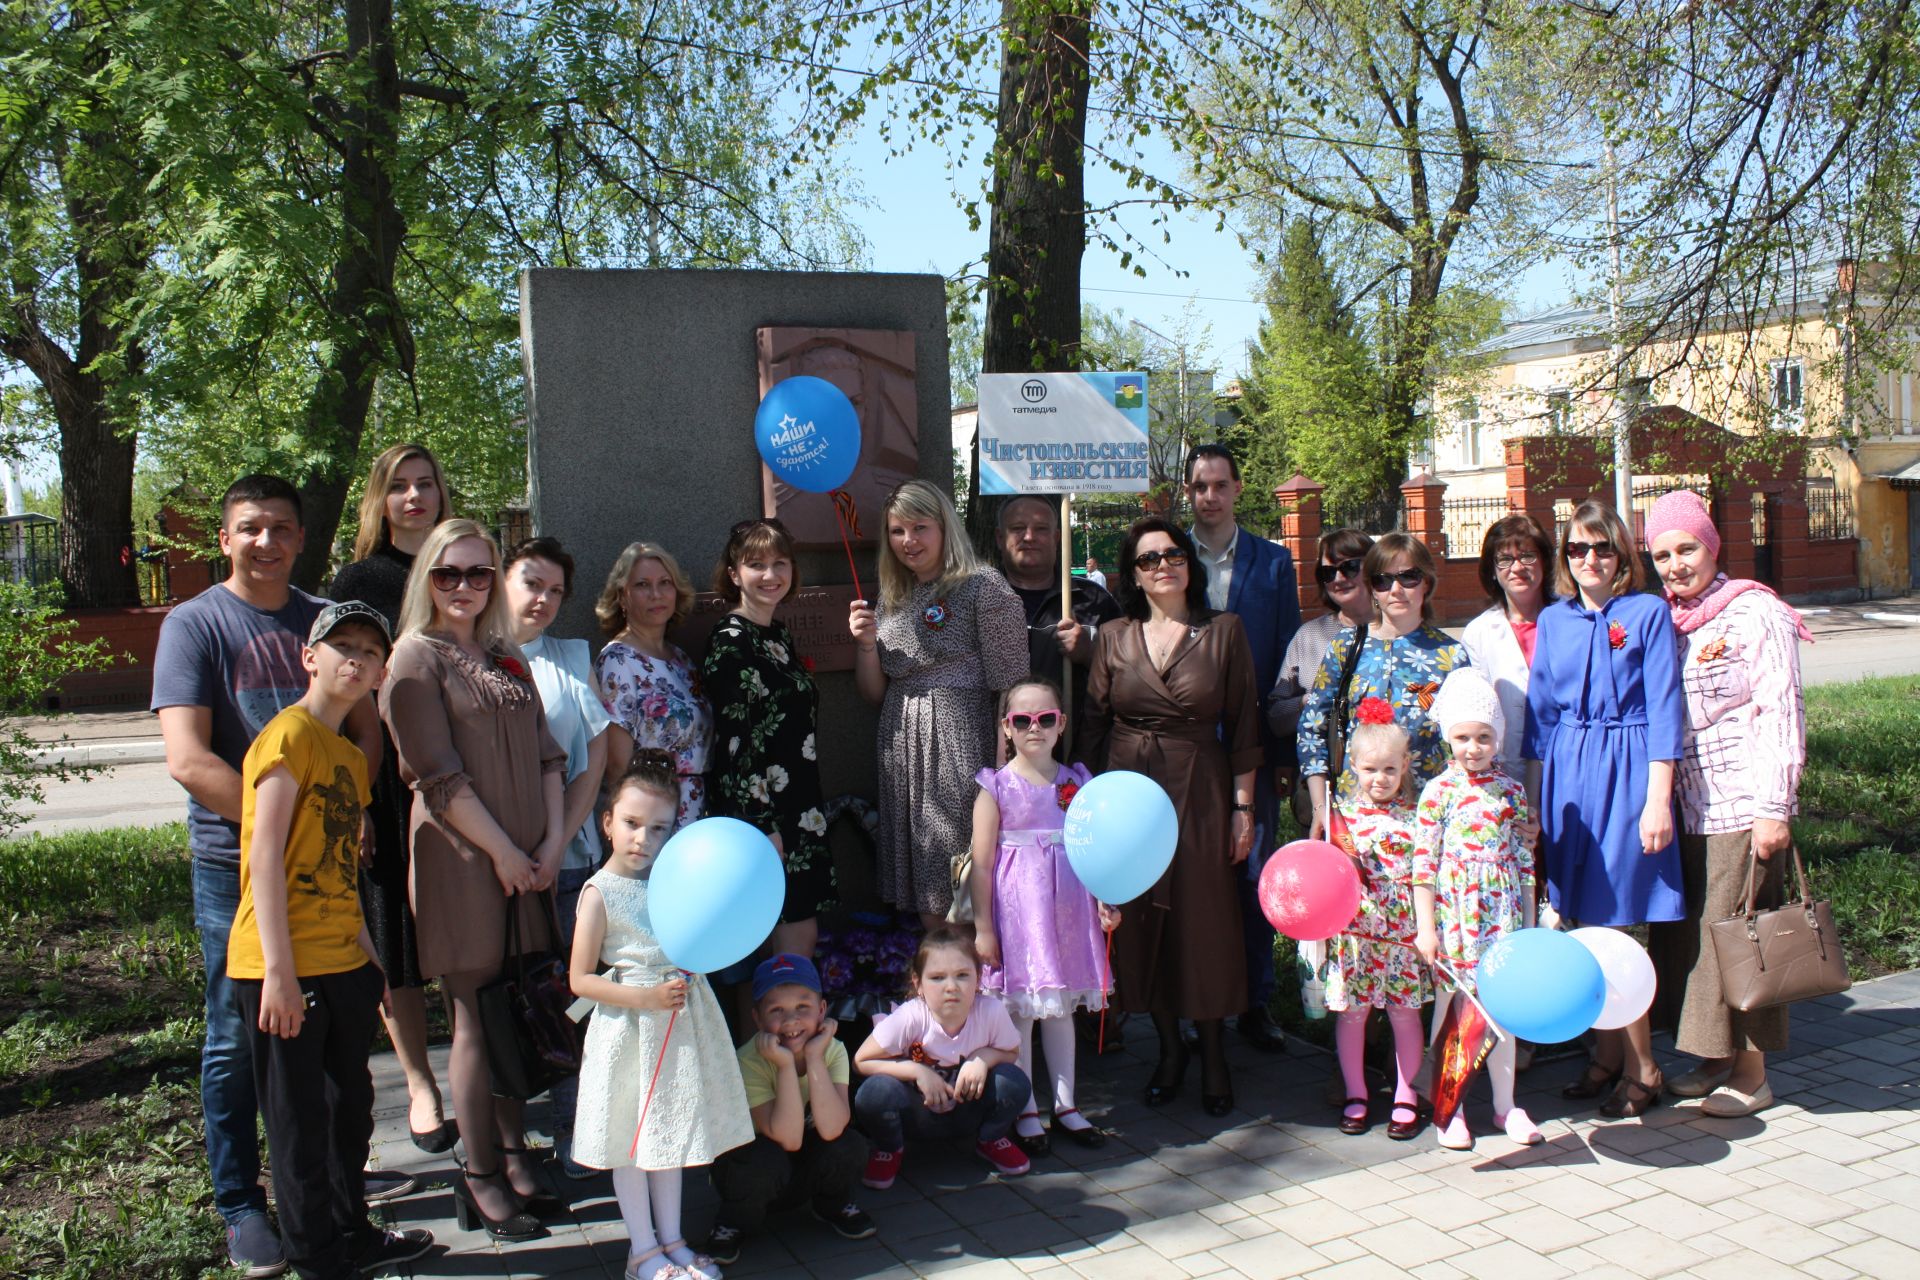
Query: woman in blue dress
1605,713
1403,658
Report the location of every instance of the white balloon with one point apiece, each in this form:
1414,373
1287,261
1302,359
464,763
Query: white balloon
1629,973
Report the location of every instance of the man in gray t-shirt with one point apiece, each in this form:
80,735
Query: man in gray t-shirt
229,661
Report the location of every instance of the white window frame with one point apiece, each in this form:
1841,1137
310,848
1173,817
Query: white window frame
1787,417
1562,398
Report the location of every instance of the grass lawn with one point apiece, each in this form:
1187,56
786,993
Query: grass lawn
101,1167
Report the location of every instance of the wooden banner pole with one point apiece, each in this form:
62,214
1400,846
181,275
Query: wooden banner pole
1066,611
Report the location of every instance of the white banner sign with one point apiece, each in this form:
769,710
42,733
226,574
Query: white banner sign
1063,433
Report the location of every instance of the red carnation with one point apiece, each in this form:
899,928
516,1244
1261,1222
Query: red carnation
1067,791
1375,711
1616,635
512,666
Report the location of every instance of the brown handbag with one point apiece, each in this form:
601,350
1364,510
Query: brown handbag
1779,955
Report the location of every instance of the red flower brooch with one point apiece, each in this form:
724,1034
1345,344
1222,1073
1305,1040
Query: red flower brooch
1374,711
806,663
1067,791
512,666
1616,635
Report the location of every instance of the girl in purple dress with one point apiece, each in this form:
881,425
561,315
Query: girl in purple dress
1037,929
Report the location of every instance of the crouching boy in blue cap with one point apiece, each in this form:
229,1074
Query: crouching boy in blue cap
804,1146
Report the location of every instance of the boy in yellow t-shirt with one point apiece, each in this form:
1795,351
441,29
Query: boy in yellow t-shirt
301,960
805,1146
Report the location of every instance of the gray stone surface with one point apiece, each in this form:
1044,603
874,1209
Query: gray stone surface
1814,1186
641,390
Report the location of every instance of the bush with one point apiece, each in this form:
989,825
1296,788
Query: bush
35,654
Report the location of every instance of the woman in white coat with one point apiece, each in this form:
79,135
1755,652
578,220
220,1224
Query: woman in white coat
1516,563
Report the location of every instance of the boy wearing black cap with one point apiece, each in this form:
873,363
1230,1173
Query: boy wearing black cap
796,1075
300,958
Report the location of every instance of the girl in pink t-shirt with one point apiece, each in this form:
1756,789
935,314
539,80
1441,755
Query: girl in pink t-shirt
942,1065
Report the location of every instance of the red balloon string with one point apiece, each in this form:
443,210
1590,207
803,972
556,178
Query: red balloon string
633,1152
841,501
1106,979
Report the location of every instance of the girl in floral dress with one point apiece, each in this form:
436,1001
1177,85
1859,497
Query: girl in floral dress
765,760
1473,871
1373,964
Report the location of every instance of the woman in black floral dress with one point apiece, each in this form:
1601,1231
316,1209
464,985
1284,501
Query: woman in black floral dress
763,767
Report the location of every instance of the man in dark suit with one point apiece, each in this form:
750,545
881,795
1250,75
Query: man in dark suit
1254,578
1057,643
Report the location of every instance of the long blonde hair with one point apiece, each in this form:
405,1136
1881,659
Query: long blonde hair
918,499
611,608
373,503
416,606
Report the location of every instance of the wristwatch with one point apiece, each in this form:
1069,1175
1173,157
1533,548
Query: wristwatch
1243,808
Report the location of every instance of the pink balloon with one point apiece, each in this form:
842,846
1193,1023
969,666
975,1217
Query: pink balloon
1309,890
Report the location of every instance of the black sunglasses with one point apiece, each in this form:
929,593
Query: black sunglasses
1324,574
1150,560
1408,578
478,577
1603,549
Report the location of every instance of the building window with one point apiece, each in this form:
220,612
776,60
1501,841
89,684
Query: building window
1788,401
1559,409
1469,433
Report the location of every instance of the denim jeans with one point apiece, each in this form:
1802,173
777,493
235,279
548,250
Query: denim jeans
226,1063
890,1110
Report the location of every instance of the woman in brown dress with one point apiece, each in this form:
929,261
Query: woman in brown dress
488,829
1171,695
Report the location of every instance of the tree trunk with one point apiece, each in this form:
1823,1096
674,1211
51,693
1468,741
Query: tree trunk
1037,231
372,333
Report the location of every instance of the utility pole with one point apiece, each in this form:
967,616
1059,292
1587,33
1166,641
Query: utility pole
1623,413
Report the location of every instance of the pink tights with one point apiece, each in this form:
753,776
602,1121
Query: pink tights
1350,1038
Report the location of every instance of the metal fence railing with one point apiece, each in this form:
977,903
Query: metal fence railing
1830,513
1465,522
31,546
1375,516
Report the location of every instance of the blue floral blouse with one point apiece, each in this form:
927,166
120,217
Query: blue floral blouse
1407,672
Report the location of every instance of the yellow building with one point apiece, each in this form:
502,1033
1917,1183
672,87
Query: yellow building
1776,378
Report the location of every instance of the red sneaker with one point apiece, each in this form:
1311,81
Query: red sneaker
1008,1160
882,1168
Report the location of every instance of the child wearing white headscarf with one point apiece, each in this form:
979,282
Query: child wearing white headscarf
1472,870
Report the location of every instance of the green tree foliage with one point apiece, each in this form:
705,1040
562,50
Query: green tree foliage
36,653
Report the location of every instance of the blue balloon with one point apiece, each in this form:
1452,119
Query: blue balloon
808,434
716,893
1120,833
1541,986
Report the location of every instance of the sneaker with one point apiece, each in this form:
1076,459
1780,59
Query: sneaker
386,1185
847,1221
882,1168
723,1243
254,1247
391,1248
1007,1159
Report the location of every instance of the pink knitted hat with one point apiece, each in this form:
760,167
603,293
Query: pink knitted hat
1685,510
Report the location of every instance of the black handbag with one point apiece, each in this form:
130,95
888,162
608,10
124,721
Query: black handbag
531,1043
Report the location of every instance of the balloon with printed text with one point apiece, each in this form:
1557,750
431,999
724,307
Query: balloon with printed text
715,894
808,434
1120,834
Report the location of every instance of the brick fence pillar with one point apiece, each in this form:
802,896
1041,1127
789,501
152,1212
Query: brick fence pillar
1733,520
1299,500
1787,535
1423,495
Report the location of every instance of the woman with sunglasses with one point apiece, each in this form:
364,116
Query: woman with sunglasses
1171,694
764,767
405,497
1516,560
651,688
1343,590
1605,715
488,830
1401,658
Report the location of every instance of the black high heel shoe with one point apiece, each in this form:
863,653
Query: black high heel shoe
1217,1104
468,1213
1593,1082
541,1204
1159,1095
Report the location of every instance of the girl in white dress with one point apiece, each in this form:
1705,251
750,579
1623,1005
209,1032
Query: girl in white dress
698,1108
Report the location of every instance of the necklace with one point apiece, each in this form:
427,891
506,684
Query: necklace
1158,656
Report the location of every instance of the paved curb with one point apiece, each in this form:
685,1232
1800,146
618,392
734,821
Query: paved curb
120,751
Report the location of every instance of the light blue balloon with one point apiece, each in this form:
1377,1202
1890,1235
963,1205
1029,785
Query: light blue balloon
1120,834
808,434
715,894
1541,986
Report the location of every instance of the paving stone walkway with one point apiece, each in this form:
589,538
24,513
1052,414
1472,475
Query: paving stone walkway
1824,1184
